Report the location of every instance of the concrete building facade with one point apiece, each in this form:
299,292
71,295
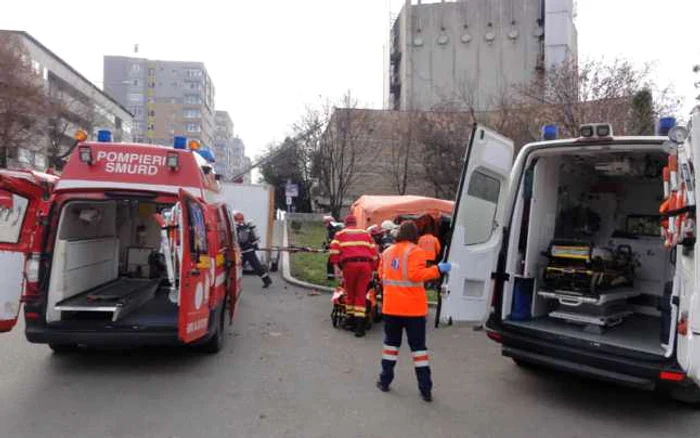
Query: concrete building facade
229,150
468,53
82,106
167,98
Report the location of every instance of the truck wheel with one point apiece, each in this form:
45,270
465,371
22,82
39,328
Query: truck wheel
63,348
216,343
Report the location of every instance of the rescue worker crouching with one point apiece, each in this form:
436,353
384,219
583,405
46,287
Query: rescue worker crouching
388,235
402,271
248,241
353,251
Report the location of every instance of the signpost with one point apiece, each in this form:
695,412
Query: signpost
291,191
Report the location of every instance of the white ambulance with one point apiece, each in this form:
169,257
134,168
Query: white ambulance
560,254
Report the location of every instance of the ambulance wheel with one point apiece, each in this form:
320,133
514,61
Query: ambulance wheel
63,348
216,343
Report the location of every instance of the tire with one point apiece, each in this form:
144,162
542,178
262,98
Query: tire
216,343
63,348
688,395
525,365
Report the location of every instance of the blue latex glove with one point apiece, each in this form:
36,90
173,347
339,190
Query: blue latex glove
444,267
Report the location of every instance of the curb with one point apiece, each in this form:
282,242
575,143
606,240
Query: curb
286,270
287,276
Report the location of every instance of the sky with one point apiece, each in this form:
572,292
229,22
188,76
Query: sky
271,59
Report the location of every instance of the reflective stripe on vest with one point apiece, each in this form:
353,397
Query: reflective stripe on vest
404,282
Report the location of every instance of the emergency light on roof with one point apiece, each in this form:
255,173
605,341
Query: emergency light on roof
596,130
194,145
207,154
180,142
664,125
104,136
80,135
550,132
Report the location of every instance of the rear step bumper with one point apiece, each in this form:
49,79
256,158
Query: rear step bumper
43,335
580,369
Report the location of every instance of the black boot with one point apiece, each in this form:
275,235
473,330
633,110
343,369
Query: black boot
427,396
267,281
349,323
359,327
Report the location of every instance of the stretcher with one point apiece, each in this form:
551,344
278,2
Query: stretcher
118,297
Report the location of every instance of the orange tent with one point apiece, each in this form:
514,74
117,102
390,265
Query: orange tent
372,210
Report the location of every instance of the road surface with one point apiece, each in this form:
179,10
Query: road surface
286,373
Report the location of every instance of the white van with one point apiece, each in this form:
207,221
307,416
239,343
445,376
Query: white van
560,256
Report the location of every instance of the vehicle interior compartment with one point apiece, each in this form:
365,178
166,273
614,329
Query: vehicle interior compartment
586,257
108,268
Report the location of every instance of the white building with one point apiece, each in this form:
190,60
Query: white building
467,53
87,107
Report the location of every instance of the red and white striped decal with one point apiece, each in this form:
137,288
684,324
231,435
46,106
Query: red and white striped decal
390,353
420,358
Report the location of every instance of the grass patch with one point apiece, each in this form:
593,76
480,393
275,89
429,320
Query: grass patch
432,295
309,267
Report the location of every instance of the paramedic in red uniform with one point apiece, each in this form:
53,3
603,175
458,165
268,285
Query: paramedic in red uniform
354,251
402,270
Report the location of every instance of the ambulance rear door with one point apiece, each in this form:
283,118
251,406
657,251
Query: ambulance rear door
476,229
686,282
195,270
21,195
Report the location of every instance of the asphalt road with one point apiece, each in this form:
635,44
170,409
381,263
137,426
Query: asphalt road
286,373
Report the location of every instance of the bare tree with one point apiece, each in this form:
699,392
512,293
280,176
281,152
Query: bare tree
572,94
344,149
22,98
66,114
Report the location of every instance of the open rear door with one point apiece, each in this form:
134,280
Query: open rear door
21,193
195,272
476,226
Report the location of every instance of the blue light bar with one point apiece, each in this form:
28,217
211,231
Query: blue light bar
665,124
207,154
180,142
104,136
550,132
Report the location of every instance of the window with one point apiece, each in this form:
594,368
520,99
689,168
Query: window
173,84
135,97
152,113
135,68
137,111
195,86
193,99
478,207
11,218
194,73
24,156
197,229
193,127
224,238
36,68
136,82
192,114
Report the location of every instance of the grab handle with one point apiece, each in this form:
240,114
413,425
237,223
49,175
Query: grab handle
571,302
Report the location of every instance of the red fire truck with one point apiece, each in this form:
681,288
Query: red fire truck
131,246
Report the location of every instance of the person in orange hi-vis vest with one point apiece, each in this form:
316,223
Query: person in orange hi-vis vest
430,244
354,252
402,270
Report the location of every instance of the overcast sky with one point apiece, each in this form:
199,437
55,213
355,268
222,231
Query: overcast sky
269,59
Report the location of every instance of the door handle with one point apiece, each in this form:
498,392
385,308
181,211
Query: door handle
195,273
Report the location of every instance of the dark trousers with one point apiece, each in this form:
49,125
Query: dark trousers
330,272
415,334
356,278
251,258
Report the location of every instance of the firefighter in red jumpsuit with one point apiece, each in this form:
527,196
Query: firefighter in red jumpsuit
353,250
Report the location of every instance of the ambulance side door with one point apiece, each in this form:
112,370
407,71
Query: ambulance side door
20,198
195,270
476,228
